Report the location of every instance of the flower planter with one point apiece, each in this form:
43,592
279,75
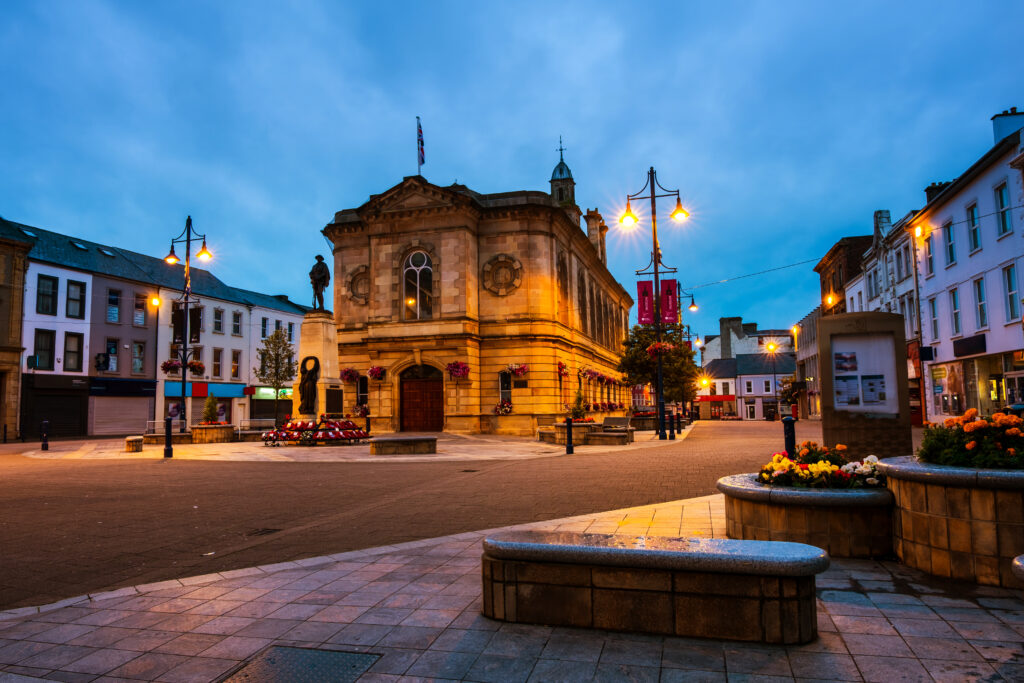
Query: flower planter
958,522
844,522
579,432
213,433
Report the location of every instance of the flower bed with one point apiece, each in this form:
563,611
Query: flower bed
959,522
815,498
973,441
213,433
310,433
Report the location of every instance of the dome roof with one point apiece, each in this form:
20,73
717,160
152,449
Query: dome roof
561,171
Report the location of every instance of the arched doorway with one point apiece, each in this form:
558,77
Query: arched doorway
422,399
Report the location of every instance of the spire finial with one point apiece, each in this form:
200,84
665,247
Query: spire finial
561,149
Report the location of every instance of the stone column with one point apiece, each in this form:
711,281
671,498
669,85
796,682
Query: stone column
318,338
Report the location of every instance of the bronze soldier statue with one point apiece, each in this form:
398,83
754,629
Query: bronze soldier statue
319,277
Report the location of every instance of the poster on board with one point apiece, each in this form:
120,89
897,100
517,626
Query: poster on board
864,373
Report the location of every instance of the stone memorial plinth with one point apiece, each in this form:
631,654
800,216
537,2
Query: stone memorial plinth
318,339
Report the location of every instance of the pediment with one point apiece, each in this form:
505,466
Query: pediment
413,196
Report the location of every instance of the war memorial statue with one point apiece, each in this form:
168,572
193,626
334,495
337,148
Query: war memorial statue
319,277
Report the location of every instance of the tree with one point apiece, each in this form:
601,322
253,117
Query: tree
277,365
210,409
678,367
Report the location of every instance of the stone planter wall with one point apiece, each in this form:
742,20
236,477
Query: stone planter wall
956,522
213,433
845,522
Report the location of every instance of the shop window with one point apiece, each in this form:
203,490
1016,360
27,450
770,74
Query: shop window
46,295
73,345
75,300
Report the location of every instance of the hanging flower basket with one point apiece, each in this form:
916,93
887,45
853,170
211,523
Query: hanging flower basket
503,408
457,369
362,410
171,367
563,369
350,375
376,372
196,367
660,349
517,369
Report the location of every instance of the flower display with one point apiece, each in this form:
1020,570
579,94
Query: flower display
196,367
310,433
817,466
362,410
503,408
563,369
974,441
517,369
171,366
375,372
350,375
457,369
660,348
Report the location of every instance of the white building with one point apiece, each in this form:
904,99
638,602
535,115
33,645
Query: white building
807,364
969,262
737,337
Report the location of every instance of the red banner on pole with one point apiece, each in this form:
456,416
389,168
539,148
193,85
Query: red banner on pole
669,302
645,302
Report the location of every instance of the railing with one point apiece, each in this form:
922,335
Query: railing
157,426
256,424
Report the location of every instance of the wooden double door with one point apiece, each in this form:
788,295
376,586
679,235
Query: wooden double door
422,399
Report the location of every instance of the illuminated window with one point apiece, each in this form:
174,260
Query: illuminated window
418,295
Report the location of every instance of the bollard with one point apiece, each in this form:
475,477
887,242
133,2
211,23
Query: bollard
789,433
670,423
679,422
568,436
168,448
367,424
5,433
45,430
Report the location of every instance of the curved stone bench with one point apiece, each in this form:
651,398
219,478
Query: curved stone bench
1018,567
714,588
845,522
958,522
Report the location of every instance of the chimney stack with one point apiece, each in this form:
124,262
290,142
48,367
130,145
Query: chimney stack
595,231
1006,123
933,190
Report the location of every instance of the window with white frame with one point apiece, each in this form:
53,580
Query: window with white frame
933,310
980,308
291,332
973,228
947,236
768,386
749,386
217,361
218,320
1003,210
139,312
236,323
907,260
113,305
860,301
929,257
236,364
264,324
954,310
1010,288
900,268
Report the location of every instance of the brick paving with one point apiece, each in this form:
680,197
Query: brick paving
417,606
71,526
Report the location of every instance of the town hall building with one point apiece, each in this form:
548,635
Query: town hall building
427,278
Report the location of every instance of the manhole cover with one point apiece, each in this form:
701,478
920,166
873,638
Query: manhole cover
303,665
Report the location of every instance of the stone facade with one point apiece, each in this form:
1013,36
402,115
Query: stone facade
426,275
13,256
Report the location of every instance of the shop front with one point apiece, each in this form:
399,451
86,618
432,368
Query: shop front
231,400
261,403
988,383
120,406
716,407
60,400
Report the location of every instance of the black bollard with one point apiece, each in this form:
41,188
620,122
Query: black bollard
168,448
367,424
679,422
45,430
671,425
5,433
789,433
568,436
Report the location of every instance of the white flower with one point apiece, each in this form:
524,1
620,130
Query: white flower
849,467
871,458
871,481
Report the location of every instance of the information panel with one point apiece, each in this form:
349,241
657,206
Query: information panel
864,373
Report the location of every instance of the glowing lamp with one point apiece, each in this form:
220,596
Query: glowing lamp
772,347
679,213
628,218
698,342
704,381
171,258
410,302
155,301
693,305
830,299
795,329
918,230
204,254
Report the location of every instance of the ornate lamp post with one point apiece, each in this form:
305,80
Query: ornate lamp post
203,254
656,267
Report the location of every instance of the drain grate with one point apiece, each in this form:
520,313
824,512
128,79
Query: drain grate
261,532
280,664
470,470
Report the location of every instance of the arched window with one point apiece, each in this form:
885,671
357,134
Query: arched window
419,286
581,292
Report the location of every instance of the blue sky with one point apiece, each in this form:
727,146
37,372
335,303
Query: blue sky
784,124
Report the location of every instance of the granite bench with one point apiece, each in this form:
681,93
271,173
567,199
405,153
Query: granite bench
403,445
761,591
1018,567
133,444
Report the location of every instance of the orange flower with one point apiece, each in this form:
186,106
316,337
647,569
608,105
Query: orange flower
971,414
840,447
1011,451
804,451
950,422
970,445
1013,431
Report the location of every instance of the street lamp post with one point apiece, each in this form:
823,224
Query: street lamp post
655,268
773,348
203,255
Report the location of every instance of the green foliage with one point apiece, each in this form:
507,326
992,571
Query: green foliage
678,367
210,409
971,441
578,410
277,364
